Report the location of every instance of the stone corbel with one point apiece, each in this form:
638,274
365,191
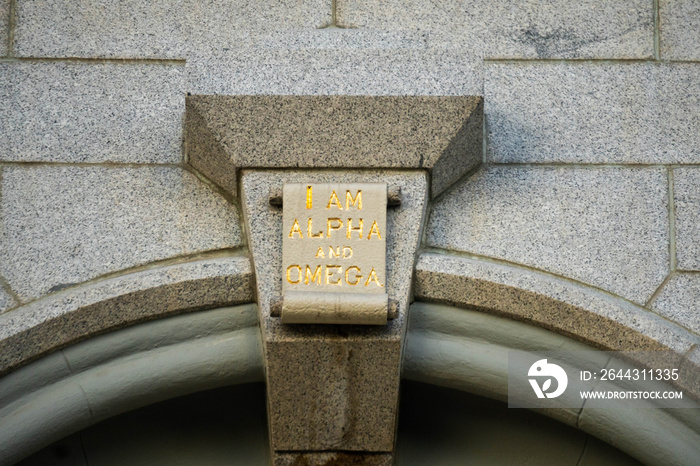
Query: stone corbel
333,389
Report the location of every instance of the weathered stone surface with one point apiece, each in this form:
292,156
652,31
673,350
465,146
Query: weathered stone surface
332,387
65,225
74,112
332,458
679,25
6,300
607,227
521,29
570,309
154,29
441,134
592,112
4,27
331,71
38,328
686,199
679,300
336,38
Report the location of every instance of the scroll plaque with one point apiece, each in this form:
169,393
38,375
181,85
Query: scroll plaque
334,253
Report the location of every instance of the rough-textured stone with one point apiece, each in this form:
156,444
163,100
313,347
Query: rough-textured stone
154,29
64,225
679,24
336,38
679,300
6,300
441,134
329,71
74,112
607,227
574,310
686,198
332,387
332,458
519,29
593,112
4,26
33,330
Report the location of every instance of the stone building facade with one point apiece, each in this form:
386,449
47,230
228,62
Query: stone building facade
127,274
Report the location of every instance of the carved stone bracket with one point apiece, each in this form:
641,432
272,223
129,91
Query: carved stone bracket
442,135
333,389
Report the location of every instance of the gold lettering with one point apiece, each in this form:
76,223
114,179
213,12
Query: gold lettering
295,229
373,278
357,277
310,228
320,253
338,226
329,274
333,252
316,277
309,197
357,229
349,200
289,274
334,201
374,229
346,250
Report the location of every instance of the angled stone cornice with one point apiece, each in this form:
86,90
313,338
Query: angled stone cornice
442,134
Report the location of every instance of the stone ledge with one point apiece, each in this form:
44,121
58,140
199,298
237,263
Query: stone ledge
587,315
441,134
38,328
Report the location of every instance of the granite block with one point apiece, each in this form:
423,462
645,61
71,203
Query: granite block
679,25
686,199
91,112
63,225
336,38
593,112
331,395
342,71
155,29
574,310
440,134
679,300
332,387
4,26
6,300
521,29
604,226
69,316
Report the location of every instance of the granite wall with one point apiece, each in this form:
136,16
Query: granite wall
591,175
